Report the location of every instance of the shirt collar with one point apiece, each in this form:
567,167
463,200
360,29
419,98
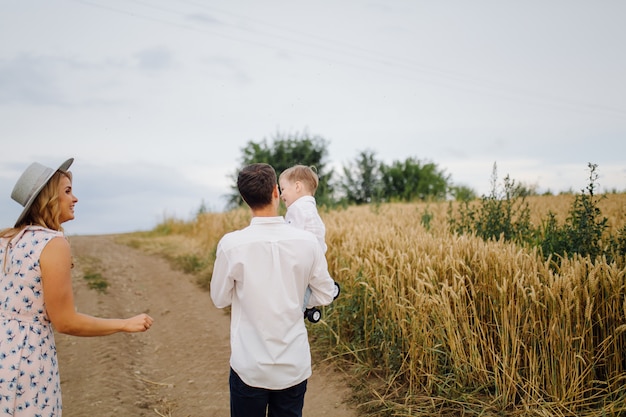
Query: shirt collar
307,198
267,220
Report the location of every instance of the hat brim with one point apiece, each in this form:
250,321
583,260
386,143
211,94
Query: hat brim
63,167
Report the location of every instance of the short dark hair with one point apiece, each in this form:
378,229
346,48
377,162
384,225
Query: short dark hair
256,183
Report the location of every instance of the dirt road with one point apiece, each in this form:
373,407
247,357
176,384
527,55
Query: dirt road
180,367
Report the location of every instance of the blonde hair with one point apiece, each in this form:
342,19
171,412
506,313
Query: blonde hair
305,174
45,209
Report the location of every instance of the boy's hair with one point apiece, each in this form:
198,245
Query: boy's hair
256,183
305,174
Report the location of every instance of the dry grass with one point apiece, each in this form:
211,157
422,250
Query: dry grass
452,325
613,206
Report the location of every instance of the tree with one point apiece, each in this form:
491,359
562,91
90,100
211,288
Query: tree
361,182
413,180
462,193
283,152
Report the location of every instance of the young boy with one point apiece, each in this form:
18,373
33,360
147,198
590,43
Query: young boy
298,185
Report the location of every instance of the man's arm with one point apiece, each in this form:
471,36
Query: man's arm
221,282
321,284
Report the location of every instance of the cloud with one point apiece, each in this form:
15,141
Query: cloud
123,197
188,84
128,197
30,80
221,67
52,81
154,59
203,19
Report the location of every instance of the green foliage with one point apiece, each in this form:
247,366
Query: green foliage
361,183
552,237
462,193
412,180
586,225
503,214
283,152
506,215
618,246
427,217
583,229
367,180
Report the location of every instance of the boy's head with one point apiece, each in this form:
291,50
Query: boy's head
256,184
296,182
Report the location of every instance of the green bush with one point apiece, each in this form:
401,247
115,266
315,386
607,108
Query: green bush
505,215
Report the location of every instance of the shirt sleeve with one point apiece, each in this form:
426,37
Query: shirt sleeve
295,216
222,284
307,220
321,284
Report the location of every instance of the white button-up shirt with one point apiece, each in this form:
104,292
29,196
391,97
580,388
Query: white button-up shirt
303,214
262,272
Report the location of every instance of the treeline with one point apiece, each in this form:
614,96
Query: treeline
363,180
502,215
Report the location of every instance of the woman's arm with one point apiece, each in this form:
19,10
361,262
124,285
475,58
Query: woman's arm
56,263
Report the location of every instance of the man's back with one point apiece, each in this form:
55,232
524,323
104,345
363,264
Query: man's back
263,272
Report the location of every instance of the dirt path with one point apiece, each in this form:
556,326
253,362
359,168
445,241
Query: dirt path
180,367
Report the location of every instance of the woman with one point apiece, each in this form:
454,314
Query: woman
36,294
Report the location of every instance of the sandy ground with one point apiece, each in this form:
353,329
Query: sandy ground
178,368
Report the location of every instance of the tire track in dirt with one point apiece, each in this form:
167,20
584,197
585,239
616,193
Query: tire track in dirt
178,368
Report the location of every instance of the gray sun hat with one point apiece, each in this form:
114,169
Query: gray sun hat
31,182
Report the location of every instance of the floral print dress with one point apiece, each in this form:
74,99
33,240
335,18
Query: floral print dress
29,373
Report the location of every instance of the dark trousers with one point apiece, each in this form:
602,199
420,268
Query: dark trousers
247,401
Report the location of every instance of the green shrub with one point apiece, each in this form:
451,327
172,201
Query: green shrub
504,214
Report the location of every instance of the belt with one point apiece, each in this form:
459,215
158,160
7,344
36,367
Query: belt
35,318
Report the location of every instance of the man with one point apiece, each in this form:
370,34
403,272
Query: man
262,272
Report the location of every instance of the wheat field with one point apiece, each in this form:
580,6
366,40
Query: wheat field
432,323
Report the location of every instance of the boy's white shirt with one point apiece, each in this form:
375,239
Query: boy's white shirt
303,214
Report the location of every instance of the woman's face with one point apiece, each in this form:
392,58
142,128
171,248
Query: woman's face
67,200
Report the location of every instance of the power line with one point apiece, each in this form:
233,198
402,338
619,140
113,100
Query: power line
373,61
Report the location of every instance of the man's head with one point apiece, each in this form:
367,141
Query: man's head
256,184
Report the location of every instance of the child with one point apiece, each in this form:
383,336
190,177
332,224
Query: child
297,188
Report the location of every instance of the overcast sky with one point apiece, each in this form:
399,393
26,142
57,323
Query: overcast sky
156,99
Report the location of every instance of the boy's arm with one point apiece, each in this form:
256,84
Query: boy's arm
295,216
310,221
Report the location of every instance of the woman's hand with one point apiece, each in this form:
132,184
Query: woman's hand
139,323
56,263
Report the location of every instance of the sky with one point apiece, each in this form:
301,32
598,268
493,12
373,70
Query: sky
156,99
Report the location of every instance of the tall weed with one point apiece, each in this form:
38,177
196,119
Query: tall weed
506,215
